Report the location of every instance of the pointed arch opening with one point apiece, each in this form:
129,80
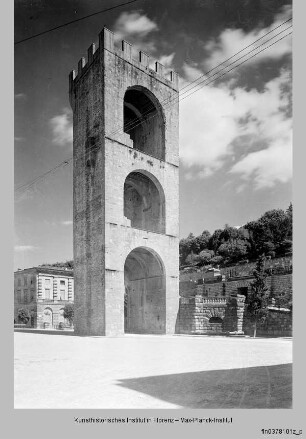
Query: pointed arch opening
144,202
144,121
145,292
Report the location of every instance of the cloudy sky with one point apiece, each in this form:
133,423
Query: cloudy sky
235,132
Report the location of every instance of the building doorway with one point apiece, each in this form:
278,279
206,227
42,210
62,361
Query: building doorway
48,318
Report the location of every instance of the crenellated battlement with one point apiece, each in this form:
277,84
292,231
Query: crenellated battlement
124,51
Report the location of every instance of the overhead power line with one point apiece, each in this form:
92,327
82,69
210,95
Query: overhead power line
135,122
150,107
240,51
74,21
211,81
28,185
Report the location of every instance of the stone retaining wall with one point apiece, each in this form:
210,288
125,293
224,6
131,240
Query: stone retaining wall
200,315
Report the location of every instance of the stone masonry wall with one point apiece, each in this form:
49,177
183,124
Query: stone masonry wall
103,159
191,318
278,284
195,313
278,323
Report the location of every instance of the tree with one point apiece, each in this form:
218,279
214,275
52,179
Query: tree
216,260
272,229
289,216
23,315
257,302
233,250
185,247
215,240
203,240
205,256
69,312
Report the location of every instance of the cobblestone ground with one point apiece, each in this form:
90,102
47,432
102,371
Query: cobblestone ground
59,371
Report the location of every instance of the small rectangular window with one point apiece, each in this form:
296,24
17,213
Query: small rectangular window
47,293
62,282
62,294
47,281
25,280
25,296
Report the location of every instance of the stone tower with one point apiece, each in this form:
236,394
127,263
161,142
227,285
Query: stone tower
125,192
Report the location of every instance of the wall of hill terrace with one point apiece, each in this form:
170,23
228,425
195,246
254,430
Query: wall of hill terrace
201,299
200,315
273,266
278,323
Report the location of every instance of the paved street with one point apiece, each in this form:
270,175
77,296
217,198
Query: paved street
146,371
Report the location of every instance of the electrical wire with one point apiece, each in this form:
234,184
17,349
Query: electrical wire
134,123
151,107
28,185
74,21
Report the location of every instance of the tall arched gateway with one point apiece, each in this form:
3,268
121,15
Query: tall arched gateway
125,185
145,292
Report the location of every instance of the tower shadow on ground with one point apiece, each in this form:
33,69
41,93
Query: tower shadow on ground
250,388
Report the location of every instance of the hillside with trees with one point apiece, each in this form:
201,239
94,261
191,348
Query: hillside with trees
270,235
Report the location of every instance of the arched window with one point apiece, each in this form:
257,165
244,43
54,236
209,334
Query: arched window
144,121
144,202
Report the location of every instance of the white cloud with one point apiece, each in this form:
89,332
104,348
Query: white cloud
221,123
62,129
133,23
135,28
268,166
24,248
167,62
231,41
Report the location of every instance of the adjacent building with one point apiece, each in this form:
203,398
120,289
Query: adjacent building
43,293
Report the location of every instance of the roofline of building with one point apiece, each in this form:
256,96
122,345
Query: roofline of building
44,269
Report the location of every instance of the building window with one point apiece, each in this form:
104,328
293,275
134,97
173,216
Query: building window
25,280
243,291
19,296
32,295
62,294
47,293
47,281
62,282
19,282
25,296
32,280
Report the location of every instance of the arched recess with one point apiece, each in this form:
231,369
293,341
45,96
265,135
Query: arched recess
216,324
145,292
144,121
144,202
215,320
48,318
